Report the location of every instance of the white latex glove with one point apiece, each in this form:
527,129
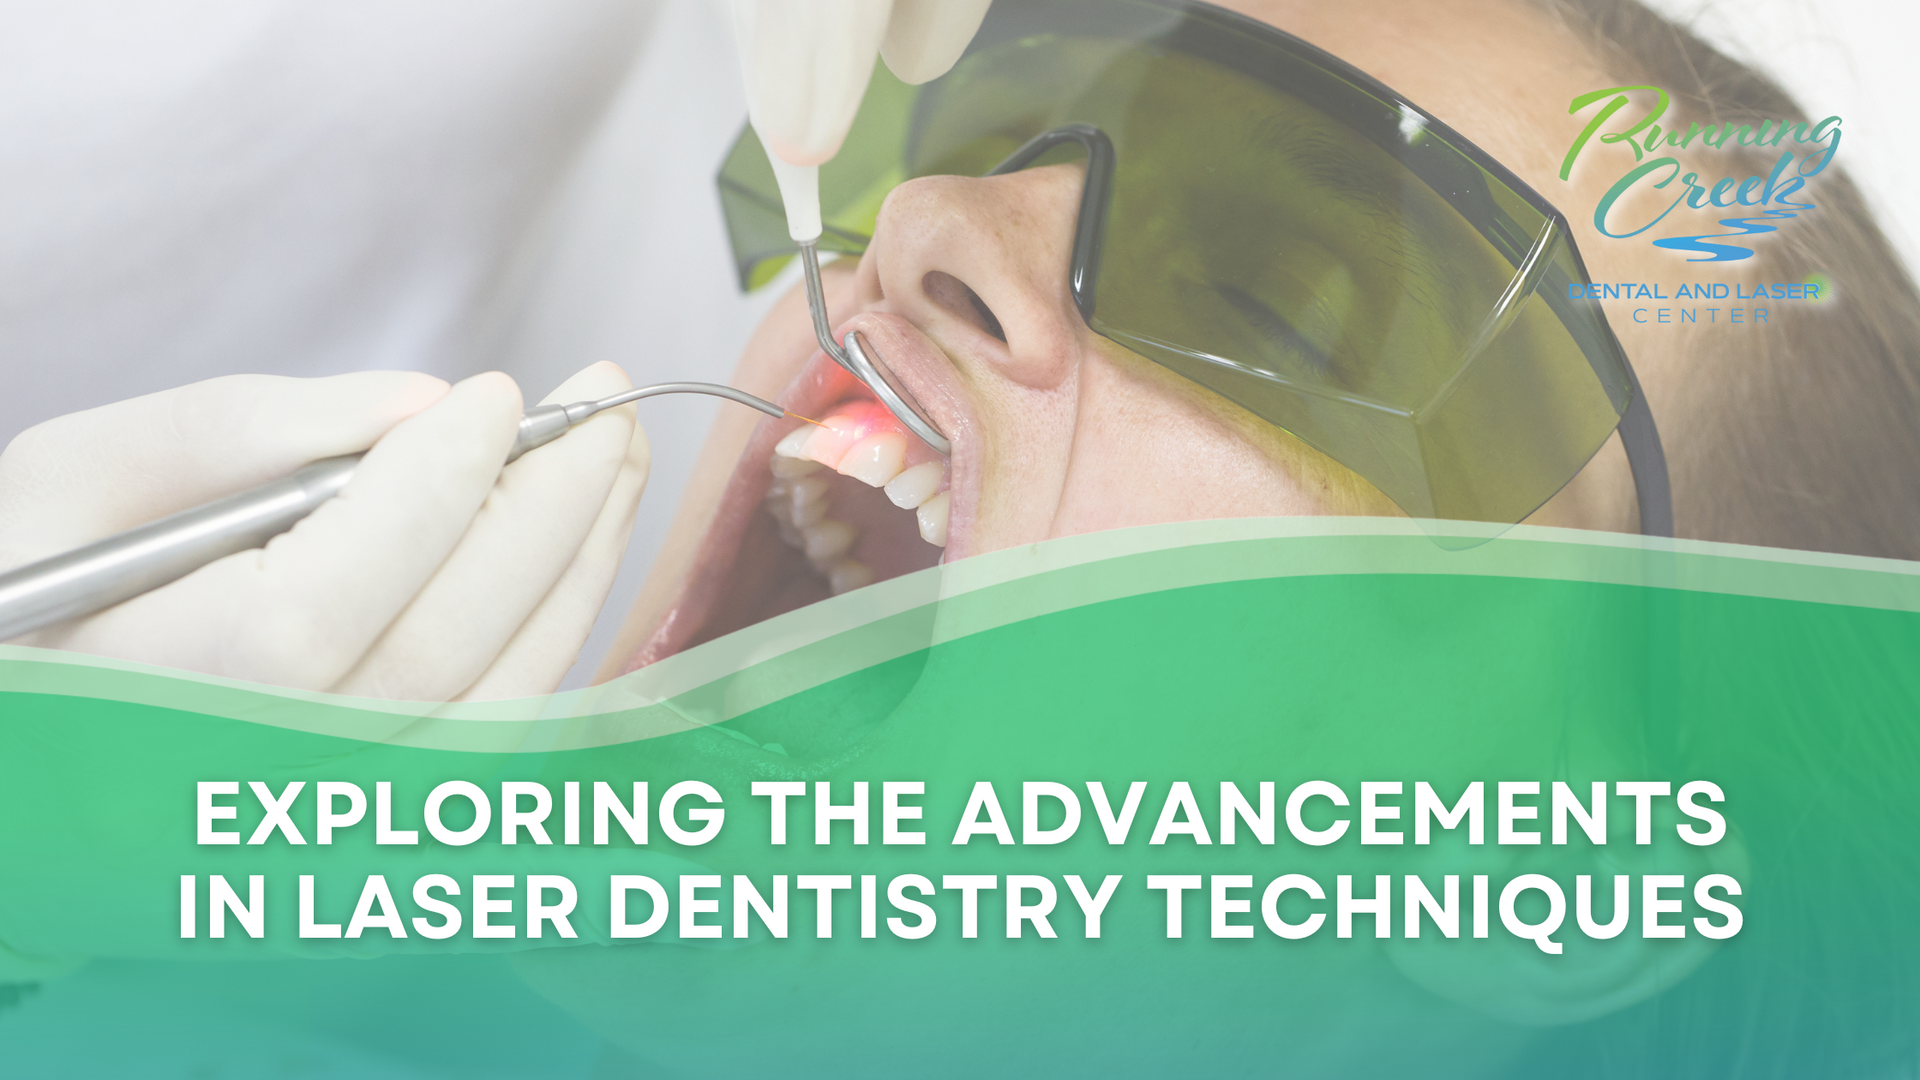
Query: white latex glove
806,64
435,575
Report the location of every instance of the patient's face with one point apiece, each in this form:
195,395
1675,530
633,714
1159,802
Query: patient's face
1055,430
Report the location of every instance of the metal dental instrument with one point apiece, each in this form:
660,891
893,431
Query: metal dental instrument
811,126
104,573
853,357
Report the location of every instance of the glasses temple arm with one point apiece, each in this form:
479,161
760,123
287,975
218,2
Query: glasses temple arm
1648,460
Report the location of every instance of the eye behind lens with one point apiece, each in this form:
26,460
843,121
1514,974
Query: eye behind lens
1283,339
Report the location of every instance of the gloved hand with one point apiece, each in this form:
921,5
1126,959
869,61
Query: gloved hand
435,575
806,64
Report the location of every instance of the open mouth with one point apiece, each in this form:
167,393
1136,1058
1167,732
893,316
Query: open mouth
813,510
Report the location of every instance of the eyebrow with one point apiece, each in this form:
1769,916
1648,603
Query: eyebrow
1331,167
1327,162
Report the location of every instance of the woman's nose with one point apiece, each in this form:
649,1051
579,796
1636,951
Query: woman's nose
981,265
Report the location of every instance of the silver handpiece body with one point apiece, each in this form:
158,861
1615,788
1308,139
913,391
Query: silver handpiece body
99,575
141,559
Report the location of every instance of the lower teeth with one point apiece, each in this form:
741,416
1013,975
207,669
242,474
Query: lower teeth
797,502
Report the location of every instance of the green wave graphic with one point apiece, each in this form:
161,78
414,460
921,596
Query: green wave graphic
724,679
1180,659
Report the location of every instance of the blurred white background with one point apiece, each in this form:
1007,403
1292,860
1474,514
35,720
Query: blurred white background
199,187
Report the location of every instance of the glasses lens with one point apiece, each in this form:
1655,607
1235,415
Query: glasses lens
1280,236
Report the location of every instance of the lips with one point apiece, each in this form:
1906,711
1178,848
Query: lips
813,510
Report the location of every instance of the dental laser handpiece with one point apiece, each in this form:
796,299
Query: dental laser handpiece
125,565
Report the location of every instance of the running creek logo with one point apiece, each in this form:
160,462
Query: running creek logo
1805,150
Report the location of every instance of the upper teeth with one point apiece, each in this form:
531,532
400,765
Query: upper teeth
916,485
876,459
933,519
798,497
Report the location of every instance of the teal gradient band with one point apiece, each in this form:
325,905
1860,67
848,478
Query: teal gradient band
1260,665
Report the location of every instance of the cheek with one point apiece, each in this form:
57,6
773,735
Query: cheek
1136,477
1150,449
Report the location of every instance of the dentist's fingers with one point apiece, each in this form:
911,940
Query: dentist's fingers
303,610
926,37
549,642
806,65
519,544
81,477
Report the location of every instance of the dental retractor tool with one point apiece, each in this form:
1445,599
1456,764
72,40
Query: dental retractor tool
853,355
800,190
141,559
805,66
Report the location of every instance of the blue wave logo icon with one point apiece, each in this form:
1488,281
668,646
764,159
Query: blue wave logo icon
1754,225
